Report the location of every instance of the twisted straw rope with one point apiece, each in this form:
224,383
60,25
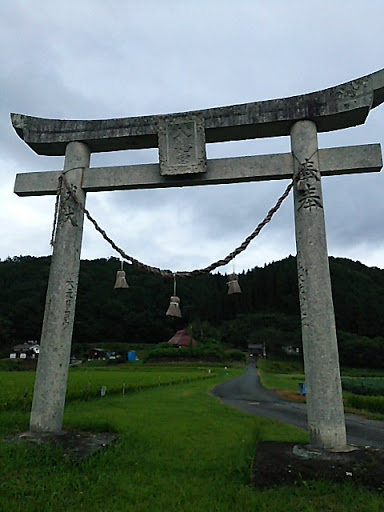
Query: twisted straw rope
158,271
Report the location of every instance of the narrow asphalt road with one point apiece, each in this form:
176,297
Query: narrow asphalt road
247,394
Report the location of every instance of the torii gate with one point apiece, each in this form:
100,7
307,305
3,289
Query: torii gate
181,139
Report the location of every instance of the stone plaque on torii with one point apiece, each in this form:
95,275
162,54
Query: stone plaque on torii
181,140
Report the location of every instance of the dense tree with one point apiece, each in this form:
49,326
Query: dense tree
268,308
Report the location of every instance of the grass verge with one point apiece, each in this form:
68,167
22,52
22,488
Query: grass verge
283,377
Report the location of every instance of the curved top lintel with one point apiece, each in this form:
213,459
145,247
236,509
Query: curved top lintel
331,109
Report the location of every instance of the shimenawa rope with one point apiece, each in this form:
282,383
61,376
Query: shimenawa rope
154,270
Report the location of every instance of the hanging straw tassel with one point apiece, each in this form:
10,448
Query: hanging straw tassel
233,284
174,305
121,282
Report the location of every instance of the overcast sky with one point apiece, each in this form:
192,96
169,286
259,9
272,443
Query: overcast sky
90,59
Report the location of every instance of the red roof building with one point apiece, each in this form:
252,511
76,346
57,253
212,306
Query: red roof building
182,339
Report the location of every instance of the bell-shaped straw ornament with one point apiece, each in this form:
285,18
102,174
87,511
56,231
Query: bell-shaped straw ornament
174,307
174,304
121,282
233,284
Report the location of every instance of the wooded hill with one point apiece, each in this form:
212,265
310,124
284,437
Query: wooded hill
266,312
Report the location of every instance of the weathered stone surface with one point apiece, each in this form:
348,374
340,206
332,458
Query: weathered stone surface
321,360
56,337
331,109
182,147
333,161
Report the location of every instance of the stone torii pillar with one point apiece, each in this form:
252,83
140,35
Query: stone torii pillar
325,410
56,336
181,139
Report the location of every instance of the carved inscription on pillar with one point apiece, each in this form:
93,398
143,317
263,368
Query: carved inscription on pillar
301,274
182,146
307,182
68,207
69,301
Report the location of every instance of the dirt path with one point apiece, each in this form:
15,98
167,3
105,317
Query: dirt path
247,394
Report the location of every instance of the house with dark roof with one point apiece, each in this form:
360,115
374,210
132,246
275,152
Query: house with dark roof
96,354
257,350
28,350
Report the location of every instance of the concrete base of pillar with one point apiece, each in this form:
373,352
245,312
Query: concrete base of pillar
275,464
308,452
74,446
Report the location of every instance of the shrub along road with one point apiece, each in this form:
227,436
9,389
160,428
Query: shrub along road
247,394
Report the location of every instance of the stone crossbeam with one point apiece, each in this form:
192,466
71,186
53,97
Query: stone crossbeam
330,109
333,162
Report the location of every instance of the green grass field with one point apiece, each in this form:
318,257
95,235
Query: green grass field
84,383
179,450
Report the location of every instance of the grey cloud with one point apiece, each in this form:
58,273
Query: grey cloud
113,59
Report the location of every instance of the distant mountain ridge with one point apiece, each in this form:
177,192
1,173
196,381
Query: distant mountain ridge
138,313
